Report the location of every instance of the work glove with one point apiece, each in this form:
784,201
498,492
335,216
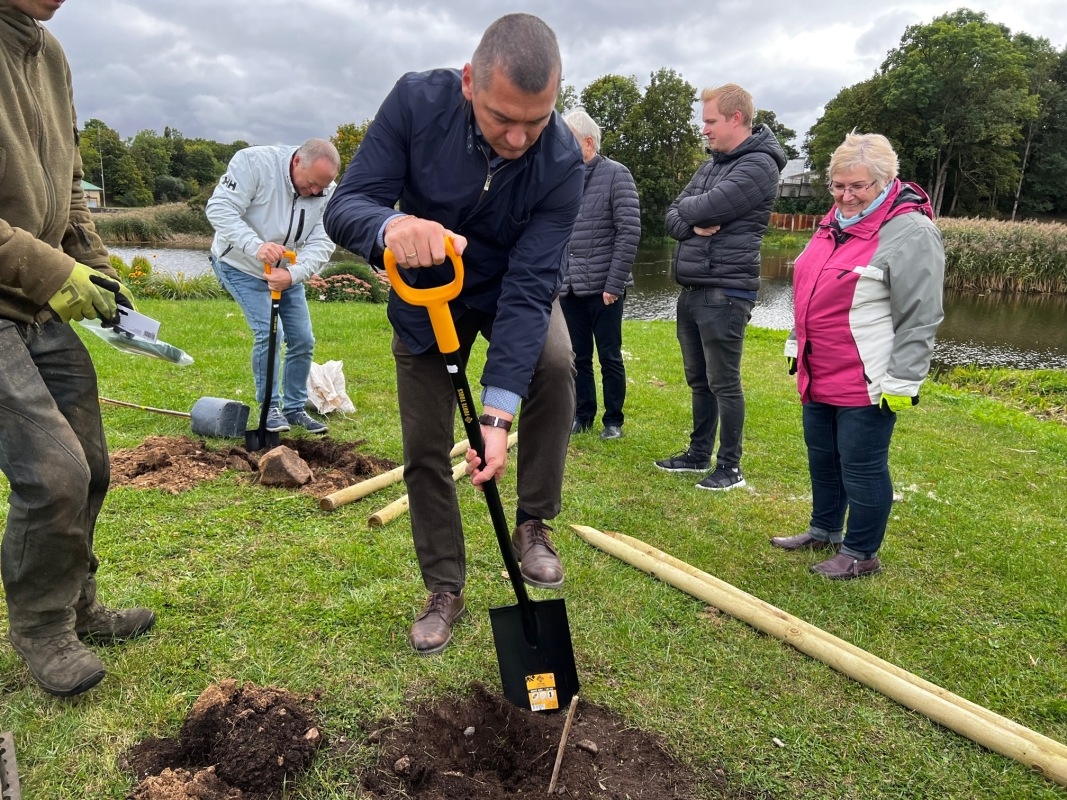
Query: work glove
896,403
82,297
791,361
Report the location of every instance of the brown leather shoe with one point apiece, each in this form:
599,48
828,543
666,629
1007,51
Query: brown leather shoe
844,567
538,559
802,541
102,625
432,630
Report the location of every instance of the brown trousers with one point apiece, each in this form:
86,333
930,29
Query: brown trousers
428,423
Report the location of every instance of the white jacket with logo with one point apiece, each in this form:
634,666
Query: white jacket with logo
256,202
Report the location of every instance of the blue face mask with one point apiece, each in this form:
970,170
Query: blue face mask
844,223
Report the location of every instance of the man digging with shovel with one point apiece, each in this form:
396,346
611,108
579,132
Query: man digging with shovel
478,155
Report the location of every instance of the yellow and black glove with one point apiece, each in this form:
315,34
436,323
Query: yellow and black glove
86,294
896,403
791,362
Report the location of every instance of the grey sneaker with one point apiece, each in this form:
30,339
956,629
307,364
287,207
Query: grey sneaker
303,419
60,664
723,479
611,432
276,422
103,625
684,461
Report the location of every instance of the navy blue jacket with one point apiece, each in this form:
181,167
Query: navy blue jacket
422,150
736,191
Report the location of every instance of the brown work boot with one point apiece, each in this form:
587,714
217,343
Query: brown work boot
844,567
538,559
802,541
61,664
432,630
102,625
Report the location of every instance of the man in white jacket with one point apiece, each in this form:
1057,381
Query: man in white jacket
271,199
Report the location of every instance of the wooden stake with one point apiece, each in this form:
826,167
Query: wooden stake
562,744
999,734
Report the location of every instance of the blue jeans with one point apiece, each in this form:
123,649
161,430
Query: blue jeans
711,332
294,326
590,321
848,458
53,452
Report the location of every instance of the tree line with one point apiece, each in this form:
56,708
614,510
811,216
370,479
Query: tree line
978,117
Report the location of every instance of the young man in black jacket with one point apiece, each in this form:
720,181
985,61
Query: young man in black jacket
719,220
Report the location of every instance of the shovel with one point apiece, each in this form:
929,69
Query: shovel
533,639
260,438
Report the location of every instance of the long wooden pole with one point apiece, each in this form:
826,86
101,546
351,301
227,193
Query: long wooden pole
124,404
358,491
1040,753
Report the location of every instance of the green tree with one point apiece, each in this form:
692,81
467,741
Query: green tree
152,152
783,134
609,100
956,91
108,162
1042,149
347,140
855,107
566,99
660,144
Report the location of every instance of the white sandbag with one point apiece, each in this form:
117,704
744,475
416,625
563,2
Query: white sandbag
326,388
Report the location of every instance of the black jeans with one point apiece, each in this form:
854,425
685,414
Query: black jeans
711,332
427,403
590,321
53,452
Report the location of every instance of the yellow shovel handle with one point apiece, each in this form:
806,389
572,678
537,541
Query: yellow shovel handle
435,299
289,254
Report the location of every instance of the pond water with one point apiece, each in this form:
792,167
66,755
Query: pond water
1005,330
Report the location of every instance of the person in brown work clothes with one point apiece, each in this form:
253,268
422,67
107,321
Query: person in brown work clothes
53,269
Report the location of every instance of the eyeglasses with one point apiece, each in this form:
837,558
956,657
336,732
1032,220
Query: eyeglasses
839,189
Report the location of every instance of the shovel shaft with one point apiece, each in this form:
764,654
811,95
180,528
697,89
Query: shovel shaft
435,301
259,439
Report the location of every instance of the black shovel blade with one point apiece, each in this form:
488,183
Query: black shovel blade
261,440
541,676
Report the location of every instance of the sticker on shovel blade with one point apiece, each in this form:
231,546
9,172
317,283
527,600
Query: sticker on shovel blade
542,689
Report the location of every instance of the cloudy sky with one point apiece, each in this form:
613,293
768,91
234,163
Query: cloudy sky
272,72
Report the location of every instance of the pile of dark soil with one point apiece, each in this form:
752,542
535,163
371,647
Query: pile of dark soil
237,743
479,747
176,464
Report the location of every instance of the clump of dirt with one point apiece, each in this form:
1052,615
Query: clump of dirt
237,743
479,747
176,464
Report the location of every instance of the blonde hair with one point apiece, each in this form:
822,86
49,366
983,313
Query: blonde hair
870,150
731,98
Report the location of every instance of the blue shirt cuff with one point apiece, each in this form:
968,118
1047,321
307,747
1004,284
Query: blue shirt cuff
381,232
501,398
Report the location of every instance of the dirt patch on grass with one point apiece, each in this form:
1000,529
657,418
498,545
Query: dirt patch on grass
251,743
177,464
480,747
237,743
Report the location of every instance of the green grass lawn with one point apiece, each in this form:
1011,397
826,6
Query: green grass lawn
260,585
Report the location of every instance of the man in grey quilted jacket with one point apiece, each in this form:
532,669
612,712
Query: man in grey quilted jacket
600,259
719,220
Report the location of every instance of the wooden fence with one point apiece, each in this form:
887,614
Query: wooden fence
795,222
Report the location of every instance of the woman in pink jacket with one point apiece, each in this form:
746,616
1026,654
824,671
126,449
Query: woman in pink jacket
867,303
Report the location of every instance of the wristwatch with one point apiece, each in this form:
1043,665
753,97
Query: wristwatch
494,422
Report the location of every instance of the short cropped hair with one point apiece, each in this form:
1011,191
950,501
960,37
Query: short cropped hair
870,150
731,98
314,149
583,125
524,48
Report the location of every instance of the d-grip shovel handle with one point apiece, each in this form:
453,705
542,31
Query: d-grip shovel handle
435,301
289,254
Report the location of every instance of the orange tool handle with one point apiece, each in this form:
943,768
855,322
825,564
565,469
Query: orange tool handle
435,299
289,254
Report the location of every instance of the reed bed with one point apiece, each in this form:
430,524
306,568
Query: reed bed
993,256
152,225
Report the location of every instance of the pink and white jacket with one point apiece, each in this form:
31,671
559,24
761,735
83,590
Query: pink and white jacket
867,303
